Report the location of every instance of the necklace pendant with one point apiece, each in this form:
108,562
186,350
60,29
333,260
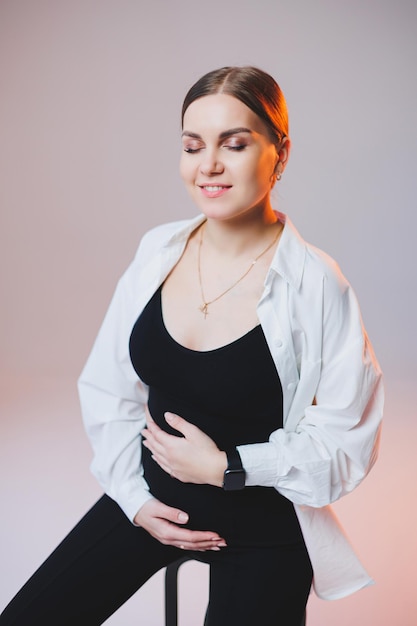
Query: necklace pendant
204,309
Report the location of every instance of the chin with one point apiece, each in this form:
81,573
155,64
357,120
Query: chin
219,211
228,214
220,215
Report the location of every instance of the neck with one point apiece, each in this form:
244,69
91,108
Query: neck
234,237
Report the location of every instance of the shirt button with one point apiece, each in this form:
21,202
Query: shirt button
278,343
291,386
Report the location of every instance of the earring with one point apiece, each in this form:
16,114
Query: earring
278,171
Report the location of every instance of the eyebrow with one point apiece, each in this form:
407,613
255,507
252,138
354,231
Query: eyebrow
223,135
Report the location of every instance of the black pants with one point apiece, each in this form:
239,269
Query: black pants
105,559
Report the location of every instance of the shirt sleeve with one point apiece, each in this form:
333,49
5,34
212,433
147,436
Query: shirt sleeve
335,442
113,401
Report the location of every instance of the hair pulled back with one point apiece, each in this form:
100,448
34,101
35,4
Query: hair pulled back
252,86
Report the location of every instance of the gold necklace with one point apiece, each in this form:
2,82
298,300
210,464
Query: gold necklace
206,303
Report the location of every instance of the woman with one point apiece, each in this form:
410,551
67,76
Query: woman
235,354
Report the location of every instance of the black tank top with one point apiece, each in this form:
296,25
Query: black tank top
233,394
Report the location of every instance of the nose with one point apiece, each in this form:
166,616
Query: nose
210,163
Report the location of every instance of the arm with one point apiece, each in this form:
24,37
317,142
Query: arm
331,438
113,402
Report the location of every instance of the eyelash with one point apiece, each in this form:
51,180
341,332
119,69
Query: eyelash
234,148
237,148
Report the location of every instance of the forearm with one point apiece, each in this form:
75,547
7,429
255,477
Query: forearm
216,469
192,458
325,458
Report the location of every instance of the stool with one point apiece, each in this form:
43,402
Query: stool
171,593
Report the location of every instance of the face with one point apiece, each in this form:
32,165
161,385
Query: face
228,160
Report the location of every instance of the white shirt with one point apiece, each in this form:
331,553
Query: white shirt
331,382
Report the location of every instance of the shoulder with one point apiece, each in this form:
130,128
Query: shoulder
321,266
307,266
157,249
328,292
161,235
322,304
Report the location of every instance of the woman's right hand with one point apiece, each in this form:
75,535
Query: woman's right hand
163,523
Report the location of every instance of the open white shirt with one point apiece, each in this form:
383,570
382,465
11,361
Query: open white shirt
331,382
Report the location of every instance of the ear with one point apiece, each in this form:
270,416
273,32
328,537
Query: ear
283,154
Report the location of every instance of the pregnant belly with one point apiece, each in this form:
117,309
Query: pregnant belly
204,504
254,516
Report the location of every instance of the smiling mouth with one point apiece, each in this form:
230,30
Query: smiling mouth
213,188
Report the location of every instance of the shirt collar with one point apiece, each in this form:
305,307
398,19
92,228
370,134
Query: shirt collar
288,260
183,231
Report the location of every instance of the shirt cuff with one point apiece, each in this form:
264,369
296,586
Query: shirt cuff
259,461
131,500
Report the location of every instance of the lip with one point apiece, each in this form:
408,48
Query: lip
214,190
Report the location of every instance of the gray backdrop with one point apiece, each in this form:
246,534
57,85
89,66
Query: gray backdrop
89,145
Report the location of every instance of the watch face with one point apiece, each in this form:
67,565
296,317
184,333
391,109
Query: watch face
234,479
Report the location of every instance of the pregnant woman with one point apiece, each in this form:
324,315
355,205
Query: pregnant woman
231,395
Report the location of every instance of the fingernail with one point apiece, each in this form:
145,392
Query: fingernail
169,417
215,549
222,545
183,517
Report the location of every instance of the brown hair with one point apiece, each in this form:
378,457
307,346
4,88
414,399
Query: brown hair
252,86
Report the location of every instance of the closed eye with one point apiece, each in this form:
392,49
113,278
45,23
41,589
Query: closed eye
236,148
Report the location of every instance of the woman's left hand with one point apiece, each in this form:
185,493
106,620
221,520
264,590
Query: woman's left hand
193,458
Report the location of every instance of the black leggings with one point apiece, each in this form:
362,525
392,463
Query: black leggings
105,559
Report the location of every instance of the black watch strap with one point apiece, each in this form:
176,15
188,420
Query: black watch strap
234,475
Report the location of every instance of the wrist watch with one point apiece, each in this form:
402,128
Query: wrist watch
234,475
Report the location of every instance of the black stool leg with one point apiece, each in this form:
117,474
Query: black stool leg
171,591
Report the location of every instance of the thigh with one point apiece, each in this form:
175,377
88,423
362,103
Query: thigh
267,585
97,567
